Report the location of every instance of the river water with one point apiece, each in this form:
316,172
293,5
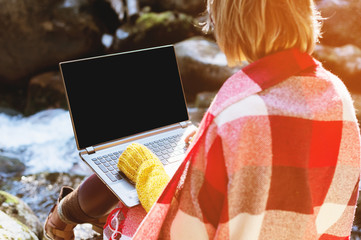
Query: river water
44,142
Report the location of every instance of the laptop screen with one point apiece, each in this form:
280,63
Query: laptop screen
119,95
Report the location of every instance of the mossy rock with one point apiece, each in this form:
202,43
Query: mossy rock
165,19
18,210
155,29
11,228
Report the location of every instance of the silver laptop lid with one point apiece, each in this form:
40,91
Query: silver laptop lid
115,96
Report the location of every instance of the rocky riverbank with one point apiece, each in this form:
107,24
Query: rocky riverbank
40,34
22,216
36,143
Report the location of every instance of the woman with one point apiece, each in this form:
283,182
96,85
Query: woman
277,155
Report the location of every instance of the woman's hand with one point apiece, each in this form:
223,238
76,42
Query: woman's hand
188,139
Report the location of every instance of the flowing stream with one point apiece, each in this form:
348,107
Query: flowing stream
44,142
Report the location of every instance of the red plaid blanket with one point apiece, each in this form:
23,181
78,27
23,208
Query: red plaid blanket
277,156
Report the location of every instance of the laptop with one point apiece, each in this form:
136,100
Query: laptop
121,98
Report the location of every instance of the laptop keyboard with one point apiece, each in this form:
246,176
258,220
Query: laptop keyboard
168,150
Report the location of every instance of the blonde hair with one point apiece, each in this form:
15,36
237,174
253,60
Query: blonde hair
251,29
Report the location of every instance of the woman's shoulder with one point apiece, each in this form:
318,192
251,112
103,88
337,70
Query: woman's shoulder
318,95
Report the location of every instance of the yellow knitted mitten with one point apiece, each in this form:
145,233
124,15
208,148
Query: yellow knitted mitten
132,158
142,167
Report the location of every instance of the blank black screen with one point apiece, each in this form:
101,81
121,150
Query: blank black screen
119,95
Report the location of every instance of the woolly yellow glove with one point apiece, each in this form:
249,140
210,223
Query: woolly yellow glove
143,168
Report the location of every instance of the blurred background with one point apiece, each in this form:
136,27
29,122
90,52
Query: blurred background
38,154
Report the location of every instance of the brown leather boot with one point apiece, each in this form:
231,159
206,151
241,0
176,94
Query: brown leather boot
66,214
55,228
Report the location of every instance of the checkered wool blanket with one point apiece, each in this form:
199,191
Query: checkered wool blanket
277,156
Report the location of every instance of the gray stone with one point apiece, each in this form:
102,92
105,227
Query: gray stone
202,65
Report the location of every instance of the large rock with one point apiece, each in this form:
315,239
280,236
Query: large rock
202,65
343,61
38,34
17,219
342,22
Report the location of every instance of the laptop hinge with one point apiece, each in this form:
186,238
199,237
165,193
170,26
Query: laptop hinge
183,124
90,150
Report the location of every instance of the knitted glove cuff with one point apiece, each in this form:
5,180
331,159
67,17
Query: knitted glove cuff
151,180
147,167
